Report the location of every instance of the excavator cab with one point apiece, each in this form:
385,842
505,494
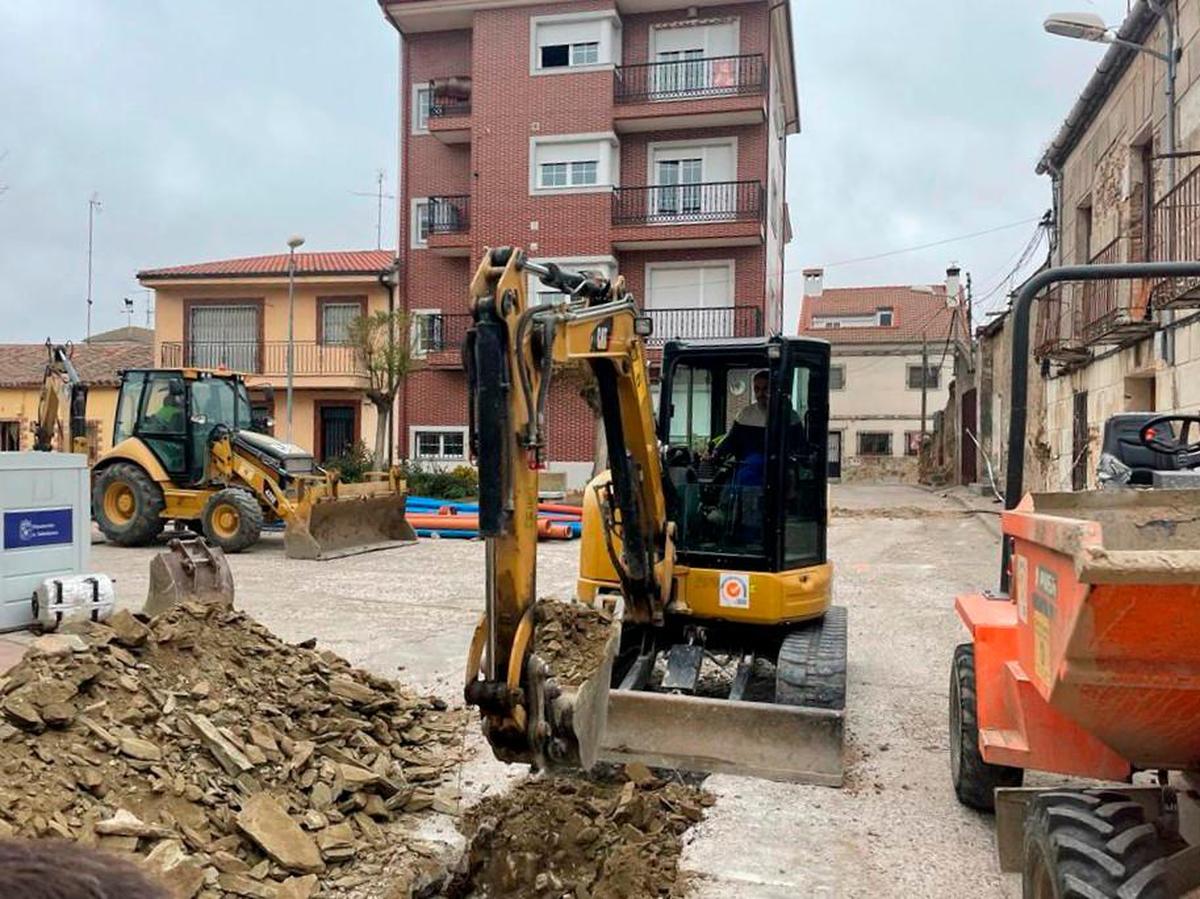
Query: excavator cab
742,425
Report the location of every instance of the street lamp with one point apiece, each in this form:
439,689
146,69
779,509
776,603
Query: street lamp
1086,26
293,242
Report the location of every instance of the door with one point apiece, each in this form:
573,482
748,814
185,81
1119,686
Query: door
224,336
695,301
835,454
690,58
162,422
693,182
1079,443
970,432
337,430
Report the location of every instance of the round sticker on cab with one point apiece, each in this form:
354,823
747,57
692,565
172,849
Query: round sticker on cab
733,592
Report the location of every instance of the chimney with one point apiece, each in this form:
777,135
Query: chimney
952,284
814,279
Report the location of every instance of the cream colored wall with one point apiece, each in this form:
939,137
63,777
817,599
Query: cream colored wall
876,397
304,412
21,405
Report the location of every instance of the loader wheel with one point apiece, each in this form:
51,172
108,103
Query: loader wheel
975,780
232,519
1091,843
811,669
127,505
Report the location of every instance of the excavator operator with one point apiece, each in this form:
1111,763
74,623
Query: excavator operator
746,441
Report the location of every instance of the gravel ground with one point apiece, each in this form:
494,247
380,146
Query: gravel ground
895,830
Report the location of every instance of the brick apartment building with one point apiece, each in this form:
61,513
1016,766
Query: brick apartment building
618,135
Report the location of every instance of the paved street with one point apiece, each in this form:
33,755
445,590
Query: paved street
894,830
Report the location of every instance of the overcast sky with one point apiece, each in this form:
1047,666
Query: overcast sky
217,128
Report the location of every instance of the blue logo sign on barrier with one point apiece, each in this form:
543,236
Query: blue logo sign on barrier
37,527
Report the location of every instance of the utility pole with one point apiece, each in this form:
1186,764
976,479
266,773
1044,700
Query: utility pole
93,208
379,194
924,385
293,242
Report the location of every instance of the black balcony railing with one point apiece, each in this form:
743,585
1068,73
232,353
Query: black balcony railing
1175,235
449,97
687,204
449,215
265,358
708,322
440,332
690,79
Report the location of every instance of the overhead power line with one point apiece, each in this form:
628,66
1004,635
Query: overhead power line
931,244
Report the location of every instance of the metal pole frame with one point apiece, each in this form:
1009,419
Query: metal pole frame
1014,482
291,344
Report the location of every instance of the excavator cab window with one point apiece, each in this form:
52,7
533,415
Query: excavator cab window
127,405
162,421
214,402
744,436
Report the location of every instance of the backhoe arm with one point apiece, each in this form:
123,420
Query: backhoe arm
510,354
60,376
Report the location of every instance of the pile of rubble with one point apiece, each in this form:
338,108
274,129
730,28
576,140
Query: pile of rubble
571,638
577,838
235,763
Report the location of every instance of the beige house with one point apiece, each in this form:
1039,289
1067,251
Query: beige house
1132,346
233,314
880,337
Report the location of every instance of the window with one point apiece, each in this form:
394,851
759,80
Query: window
561,43
883,317
426,331
336,319
419,228
440,445
837,377
932,377
573,162
10,436
422,97
224,335
874,443
912,443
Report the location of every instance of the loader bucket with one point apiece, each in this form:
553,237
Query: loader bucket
348,523
188,570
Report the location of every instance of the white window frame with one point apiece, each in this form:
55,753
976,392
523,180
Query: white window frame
608,162
608,36
416,126
891,314
414,430
656,30
694,263
419,350
694,148
414,230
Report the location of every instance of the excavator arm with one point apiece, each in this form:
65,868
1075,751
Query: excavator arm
61,380
510,355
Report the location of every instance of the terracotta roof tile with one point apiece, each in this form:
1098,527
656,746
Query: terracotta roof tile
98,364
341,262
917,313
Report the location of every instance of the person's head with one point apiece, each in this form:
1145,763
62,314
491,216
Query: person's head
53,869
762,387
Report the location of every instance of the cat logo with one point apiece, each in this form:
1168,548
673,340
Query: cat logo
600,335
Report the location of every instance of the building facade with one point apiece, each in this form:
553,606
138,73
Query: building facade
611,135
1128,346
22,371
234,314
893,356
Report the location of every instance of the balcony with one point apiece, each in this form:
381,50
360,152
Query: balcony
449,225
699,323
267,358
1113,312
450,110
690,93
1057,326
714,214
1175,235
438,338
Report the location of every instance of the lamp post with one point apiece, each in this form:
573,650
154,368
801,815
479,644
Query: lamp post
293,242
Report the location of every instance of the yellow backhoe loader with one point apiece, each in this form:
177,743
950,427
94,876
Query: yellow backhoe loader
61,388
708,534
184,450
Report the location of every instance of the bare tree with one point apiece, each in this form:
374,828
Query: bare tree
382,342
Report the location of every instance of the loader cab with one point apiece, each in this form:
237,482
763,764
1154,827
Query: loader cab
174,413
743,425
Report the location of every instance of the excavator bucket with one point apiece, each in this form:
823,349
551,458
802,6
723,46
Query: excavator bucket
188,569
351,519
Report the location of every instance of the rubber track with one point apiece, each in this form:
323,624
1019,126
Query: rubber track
1097,845
811,669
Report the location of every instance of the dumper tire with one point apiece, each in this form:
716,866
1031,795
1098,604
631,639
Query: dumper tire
811,667
1092,843
975,781
232,519
127,505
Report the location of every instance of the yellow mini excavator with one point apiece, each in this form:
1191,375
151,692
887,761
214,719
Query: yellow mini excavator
708,534
184,449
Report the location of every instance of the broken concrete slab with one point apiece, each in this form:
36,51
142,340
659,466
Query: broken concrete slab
268,824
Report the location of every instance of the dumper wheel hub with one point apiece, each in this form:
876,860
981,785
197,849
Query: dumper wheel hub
120,505
226,520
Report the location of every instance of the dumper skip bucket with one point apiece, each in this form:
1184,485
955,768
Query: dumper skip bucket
328,526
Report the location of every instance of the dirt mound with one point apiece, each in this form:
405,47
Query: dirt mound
571,639
556,837
236,763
